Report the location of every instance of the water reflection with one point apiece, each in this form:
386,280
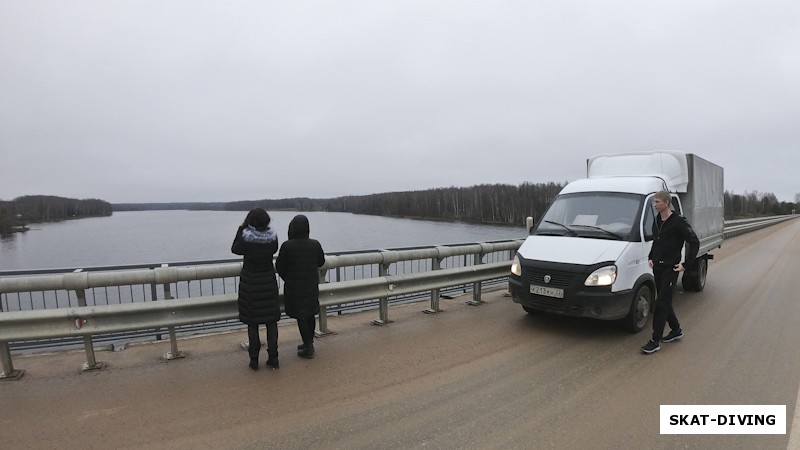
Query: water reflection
142,237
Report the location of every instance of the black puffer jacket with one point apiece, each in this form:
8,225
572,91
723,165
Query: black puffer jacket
258,287
298,264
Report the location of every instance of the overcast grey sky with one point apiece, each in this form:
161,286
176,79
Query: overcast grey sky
157,101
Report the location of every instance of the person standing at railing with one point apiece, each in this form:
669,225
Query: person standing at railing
258,286
298,264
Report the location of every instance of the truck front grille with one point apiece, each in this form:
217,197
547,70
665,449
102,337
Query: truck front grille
557,279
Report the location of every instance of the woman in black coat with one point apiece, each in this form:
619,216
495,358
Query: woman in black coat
298,264
258,287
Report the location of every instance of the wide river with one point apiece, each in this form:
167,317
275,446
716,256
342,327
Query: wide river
145,237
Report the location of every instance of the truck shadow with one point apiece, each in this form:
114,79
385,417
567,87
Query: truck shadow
580,327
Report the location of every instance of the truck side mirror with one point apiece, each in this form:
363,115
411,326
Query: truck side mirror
529,224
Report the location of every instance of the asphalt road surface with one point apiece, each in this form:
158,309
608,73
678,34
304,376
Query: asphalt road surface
488,377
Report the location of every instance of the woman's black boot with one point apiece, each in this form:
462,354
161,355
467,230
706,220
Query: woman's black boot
307,352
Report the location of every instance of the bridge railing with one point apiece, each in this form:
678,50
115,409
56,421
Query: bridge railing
55,288
357,279
350,278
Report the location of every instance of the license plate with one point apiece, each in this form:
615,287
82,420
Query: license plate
547,291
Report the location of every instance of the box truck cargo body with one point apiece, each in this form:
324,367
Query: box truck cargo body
588,255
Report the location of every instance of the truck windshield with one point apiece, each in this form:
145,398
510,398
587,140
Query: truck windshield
598,215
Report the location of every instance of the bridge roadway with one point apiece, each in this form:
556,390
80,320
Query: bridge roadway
485,376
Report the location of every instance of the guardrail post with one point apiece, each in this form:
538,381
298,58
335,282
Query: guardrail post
166,287
476,286
383,270
8,373
153,292
153,298
436,264
464,290
174,353
91,363
323,310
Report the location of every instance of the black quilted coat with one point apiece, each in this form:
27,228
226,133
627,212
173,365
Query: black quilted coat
298,264
258,287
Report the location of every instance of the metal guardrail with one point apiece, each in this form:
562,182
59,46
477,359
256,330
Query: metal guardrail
742,226
344,266
88,321
80,321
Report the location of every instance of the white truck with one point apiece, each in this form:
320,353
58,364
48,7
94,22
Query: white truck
587,256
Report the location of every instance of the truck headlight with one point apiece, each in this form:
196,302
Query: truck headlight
604,276
516,267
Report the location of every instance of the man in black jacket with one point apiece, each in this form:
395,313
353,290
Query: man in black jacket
670,231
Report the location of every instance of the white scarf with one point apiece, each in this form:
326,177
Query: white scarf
252,235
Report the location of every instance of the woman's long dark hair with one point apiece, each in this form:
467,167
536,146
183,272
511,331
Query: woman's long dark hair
257,218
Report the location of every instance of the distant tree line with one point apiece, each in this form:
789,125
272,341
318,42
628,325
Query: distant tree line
8,219
191,206
486,203
495,203
45,208
753,204
285,204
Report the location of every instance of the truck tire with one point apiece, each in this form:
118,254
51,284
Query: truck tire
641,306
697,280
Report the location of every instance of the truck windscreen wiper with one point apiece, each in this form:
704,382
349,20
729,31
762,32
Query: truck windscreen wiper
569,230
603,230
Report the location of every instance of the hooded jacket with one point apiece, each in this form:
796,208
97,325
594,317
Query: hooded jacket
258,287
298,264
669,236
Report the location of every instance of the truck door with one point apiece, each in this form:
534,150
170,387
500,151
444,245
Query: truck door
648,224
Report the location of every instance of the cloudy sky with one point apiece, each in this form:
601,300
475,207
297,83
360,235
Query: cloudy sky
159,101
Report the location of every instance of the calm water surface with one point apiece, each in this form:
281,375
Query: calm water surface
144,237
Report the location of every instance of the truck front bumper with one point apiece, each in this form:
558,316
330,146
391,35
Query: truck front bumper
581,301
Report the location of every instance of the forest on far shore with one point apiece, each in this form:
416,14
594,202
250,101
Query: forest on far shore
497,204
16,213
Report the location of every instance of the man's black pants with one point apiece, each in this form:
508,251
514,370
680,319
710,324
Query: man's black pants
666,285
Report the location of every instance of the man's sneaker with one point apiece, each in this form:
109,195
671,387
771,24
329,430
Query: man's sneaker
673,336
651,347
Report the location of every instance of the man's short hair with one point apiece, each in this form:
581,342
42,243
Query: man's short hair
664,197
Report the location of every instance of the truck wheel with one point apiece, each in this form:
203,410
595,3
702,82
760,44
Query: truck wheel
640,309
696,281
